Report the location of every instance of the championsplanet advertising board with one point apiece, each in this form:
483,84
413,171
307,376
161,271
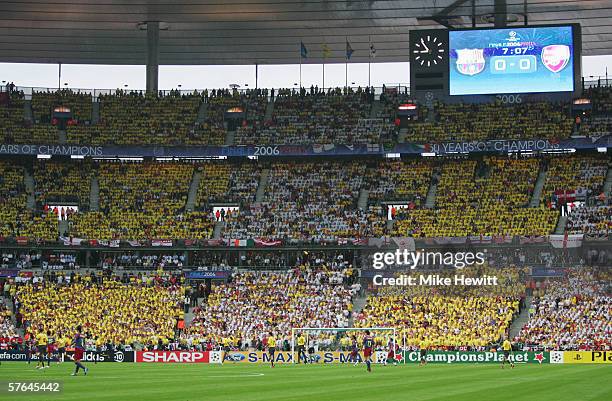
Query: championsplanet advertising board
453,357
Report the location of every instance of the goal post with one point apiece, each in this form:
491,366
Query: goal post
391,333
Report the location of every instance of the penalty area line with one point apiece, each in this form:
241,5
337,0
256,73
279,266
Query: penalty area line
239,375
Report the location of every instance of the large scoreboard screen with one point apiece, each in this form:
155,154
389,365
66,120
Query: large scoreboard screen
512,60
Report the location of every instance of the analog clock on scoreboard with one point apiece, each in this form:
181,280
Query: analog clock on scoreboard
428,60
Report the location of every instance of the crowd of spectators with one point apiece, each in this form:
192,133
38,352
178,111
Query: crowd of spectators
316,116
572,178
14,259
300,117
488,197
253,304
304,202
43,103
250,104
143,201
109,311
8,330
214,183
13,126
63,182
447,317
572,313
140,260
15,219
133,117
468,122
593,220
601,99
399,180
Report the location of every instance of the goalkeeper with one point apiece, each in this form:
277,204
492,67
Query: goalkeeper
301,344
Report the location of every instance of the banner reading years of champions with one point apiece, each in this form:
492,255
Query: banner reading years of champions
477,357
490,146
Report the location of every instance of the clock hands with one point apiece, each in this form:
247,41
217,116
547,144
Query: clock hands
425,46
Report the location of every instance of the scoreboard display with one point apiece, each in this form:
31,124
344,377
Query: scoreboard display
513,60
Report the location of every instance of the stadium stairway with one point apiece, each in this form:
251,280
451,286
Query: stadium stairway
28,181
523,317
375,109
62,227
95,113
430,200
269,110
229,138
63,137
28,115
193,191
560,228
537,190
9,304
362,202
219,226
402,134
389,226
189,317
261,188
94,195
202,113
358,305
607,189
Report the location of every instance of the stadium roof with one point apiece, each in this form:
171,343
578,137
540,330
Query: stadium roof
259,31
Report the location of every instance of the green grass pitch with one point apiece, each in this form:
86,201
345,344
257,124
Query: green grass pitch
107,381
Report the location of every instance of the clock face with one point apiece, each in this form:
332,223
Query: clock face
428,50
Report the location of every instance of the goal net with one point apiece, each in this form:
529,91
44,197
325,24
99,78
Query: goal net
334,345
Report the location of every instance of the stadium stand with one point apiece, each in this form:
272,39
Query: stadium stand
43,103
446,317
8,330
481,198
594,220
15,219
601,99
304,202
228,183
138,260
63,182
399,180
12,259
143,201
571,314
13,126
307,117
467,122
140,312
252,304
570,178
133,118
